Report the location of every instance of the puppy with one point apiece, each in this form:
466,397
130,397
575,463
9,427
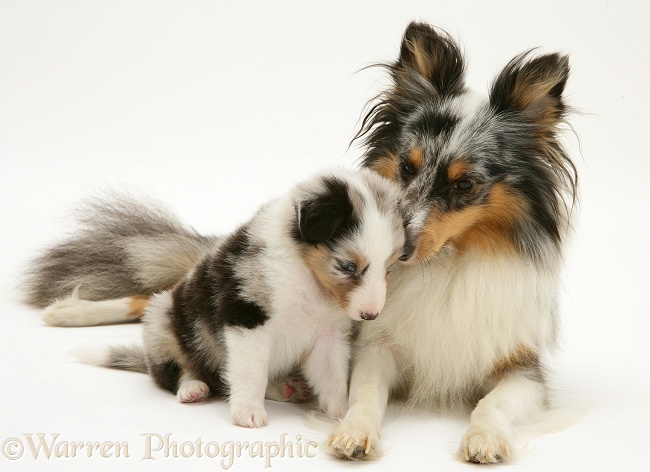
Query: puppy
283,290
487,189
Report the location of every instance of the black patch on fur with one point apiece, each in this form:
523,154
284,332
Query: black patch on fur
434,124
166,375
328,216
212,295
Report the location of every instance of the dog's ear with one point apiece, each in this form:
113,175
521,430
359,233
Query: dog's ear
433,55
325,214
534,87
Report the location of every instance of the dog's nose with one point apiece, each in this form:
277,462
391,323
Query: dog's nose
409,247
369,316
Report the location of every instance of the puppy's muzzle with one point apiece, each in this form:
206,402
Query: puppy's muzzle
369,316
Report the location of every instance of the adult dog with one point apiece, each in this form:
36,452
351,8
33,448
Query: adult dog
487,187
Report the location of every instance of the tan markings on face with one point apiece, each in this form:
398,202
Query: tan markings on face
457,171
522,357
336,285
137,305
386,166
484,227
416,158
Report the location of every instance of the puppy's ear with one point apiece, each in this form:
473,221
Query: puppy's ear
435,56
534,87
325,214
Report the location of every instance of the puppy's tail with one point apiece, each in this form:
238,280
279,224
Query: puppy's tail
122,248
116,357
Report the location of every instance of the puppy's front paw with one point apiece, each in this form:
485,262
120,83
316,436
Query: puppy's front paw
485,447
192,391
354,441
249,417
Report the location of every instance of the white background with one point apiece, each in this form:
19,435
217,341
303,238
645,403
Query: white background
214,107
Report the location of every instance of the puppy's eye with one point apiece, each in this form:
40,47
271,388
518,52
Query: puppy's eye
463,185
390,269
347,267
407,169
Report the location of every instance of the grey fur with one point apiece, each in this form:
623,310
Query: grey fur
127,358
123,248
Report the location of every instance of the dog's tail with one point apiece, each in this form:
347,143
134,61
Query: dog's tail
122,248
116,357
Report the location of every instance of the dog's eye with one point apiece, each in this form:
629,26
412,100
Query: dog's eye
390,269
347,267
407,169
463,185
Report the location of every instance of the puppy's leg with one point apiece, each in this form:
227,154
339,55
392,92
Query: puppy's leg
247,373
326,370
73,311
373,375
515,398
191,390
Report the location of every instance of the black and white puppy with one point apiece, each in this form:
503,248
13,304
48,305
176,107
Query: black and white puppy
283,290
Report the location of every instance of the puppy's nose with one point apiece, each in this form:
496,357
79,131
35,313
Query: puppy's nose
369,316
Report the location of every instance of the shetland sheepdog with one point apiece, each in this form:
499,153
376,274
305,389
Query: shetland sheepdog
487,190
282,290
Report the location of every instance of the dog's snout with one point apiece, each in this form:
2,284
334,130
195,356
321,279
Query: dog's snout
369,316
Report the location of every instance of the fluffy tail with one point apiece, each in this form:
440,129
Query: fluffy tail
116,357
122,248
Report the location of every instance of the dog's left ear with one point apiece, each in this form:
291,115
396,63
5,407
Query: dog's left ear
325,214
534,87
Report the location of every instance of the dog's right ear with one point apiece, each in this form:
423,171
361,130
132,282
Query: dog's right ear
435,56
325,214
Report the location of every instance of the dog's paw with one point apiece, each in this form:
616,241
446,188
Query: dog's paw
192,391
485,447
249,417
354,441
293,389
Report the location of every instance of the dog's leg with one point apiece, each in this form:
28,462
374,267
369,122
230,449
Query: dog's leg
73,311
326,370
191,390
373,375
247,373
515,397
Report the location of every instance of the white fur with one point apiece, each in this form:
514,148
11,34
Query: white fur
93,355
442,329
72,311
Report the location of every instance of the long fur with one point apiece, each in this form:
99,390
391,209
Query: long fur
281,291
487,189
123,247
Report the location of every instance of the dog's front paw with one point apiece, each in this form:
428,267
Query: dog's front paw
354,441
249,417
192,391
485,447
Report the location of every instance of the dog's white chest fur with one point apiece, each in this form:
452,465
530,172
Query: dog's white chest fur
450,319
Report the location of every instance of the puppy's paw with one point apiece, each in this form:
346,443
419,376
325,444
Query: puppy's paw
249,417
293,389
484,446
192,391
354,441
